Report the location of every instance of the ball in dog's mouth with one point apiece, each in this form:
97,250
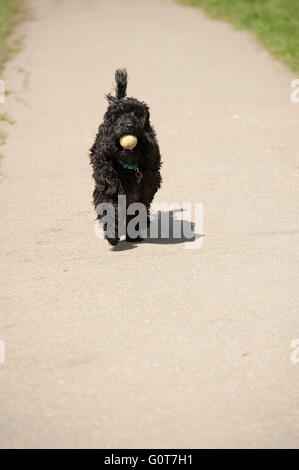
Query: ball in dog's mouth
128,141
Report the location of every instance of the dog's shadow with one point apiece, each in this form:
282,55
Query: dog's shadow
179,231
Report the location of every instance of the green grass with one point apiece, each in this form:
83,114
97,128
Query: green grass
3,137
274,22
8,9
6,118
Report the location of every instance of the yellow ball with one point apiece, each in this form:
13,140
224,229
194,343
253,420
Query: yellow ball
128,142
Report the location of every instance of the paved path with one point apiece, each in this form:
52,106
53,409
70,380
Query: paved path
156,345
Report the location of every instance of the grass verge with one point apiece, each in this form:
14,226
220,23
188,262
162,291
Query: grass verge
274,22
8,10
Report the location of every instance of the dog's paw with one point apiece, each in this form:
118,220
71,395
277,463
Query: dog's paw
112,241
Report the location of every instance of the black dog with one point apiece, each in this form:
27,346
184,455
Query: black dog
125,156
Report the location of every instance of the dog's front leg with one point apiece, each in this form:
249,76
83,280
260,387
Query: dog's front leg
111,223
105,196
107,215
111,231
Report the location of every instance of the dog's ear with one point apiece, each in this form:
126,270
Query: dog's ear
146,117
121,80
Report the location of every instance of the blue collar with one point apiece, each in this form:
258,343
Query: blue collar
129,166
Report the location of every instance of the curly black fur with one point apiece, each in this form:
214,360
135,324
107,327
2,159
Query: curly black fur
125,116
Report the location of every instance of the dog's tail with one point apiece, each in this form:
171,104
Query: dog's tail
121,79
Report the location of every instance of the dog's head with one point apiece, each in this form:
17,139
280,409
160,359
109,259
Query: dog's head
126,116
